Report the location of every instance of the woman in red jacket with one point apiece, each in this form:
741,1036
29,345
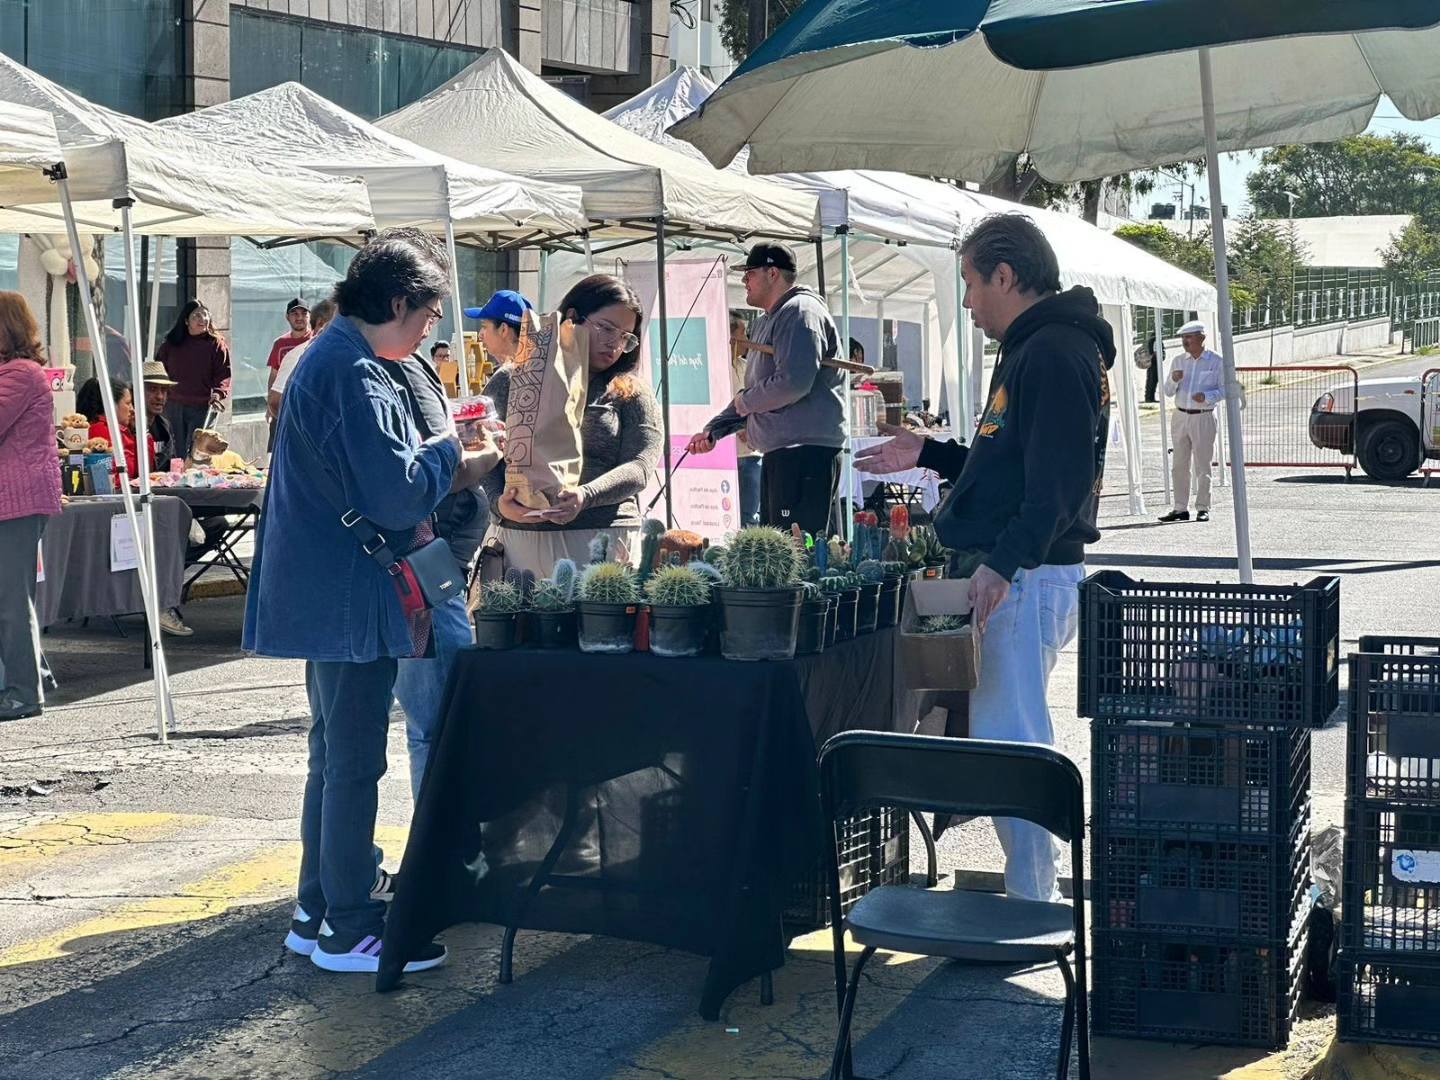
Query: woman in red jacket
199,362
91,405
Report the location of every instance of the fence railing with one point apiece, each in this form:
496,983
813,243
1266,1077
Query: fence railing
1283,428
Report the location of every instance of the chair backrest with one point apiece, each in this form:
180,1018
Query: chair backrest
860,769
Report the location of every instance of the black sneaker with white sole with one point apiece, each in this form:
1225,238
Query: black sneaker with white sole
384,887
304,929
361,952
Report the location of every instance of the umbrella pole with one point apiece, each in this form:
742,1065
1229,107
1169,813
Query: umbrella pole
664,362
457,329
1223,317
847,456
1164,411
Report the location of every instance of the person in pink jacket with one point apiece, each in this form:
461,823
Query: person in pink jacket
29,495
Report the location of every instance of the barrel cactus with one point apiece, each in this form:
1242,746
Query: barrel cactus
677,586
609,583
761,557
871,571
705,570
501,598
557,592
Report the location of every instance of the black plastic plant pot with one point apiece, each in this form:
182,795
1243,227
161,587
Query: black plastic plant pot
814,627
867,611
552,629
759,624
607,628
891,594
679,631
832,619
496,630
849,616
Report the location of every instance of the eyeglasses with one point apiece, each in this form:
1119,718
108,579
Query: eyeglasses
608,331
435,316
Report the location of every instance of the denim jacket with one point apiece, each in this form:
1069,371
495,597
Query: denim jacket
314,594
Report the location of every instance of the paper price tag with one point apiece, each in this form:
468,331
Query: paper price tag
123,555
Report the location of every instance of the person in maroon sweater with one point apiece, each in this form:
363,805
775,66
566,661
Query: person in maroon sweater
199,362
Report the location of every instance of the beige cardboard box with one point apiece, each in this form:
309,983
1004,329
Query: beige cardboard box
937,661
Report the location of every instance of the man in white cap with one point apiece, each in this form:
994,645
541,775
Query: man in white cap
1197,383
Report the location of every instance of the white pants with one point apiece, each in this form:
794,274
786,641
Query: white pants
1017,653
1194,448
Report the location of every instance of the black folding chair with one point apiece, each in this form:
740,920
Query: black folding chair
860,770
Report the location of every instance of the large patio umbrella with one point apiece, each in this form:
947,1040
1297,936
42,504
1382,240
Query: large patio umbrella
1086,88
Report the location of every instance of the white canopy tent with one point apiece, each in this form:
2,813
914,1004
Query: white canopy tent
408,183
897,236
125,170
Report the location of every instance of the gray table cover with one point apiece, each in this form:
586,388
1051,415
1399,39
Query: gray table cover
78,582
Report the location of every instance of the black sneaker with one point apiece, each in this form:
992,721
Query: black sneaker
303,931
384,887
1202,515
361,952
1176,515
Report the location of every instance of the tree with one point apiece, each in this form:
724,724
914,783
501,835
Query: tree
735,24
1414,251
1263,257
1363,174
1191,254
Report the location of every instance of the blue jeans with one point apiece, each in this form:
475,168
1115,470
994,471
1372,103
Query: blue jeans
420,685
350,715
1017,653
749,468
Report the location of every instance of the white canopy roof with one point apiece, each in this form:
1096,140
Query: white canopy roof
408,184
498,114
182,186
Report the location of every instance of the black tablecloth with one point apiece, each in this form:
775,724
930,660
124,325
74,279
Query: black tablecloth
231,499
78,580
695,785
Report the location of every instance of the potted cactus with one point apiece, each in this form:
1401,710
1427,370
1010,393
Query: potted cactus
844,587
760,599
609,599
679,599
814,620
552,619
892,593
872,579
496,617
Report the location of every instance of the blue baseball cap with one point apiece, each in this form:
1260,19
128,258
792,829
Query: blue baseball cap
506,306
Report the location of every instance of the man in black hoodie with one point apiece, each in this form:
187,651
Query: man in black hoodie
1025,494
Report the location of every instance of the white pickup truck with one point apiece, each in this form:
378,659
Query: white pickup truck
1393,429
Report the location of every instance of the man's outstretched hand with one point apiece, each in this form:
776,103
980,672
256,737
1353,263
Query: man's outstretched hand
900,453
701,443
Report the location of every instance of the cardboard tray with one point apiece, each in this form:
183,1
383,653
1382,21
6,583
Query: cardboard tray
937,661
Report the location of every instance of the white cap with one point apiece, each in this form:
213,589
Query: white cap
1194,326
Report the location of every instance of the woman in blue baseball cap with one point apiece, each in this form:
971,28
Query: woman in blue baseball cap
500,324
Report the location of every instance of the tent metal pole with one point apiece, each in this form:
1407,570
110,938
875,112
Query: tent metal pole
1131,415
457,329
164,706
1164,411
97,339
543,293
664,366
962,411
879,334
924,349
158,245
847,460
589,253
1227,337
820,266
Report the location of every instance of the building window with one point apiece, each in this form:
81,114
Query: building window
123,55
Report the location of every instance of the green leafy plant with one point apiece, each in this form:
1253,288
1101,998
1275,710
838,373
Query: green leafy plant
501,598
609,583
942,624
678,586
762,558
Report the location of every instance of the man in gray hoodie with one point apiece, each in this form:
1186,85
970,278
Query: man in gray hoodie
792,408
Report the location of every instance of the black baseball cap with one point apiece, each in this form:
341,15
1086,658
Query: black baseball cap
296,303
768,254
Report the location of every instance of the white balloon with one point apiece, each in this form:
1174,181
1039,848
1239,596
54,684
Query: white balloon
54,262
92,268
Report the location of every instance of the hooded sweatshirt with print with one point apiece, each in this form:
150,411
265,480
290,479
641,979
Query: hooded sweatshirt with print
1027,492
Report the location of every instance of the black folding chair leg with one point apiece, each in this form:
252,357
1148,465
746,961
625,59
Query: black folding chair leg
1067,1025
932,873
767,988
839,1064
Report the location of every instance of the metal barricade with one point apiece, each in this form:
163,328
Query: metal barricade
1430,421
1424,334
1300,417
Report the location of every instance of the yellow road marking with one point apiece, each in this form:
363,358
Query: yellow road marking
21,850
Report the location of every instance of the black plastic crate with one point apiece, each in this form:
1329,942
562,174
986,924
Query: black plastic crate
1150,986
1216,654
874,850
1394,732
1392,879
1245,780
1198,884
1388,999
1400,644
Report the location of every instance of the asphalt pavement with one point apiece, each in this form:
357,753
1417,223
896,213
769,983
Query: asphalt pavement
145,889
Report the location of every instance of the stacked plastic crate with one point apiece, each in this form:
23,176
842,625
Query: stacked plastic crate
1202,697
1390,908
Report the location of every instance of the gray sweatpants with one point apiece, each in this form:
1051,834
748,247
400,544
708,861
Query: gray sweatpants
19,630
